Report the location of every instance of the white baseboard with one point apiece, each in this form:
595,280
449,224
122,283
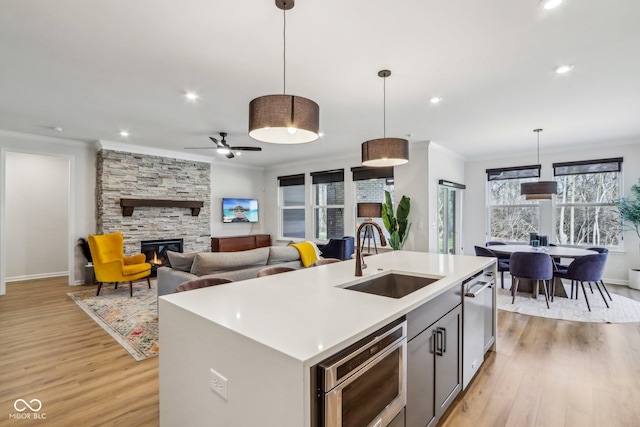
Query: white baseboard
36,276
616,281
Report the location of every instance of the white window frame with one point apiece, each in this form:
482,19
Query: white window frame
556,204
489,206
282,208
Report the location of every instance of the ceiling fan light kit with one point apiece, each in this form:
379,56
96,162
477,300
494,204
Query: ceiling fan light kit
385,152
284,119
539,190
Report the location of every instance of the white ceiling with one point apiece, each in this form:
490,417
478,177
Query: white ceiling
96,67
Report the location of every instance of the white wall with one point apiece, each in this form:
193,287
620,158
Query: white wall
417,179
82,188
475,212
237,181
37,216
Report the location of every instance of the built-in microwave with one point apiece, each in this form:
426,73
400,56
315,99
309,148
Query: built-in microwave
365,384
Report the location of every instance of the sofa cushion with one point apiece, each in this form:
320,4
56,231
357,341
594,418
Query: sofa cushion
180,261
210,262
280,254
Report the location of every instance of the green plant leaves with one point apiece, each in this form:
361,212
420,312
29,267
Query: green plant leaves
398,226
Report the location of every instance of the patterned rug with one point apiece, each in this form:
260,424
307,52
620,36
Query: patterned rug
131,321
622,309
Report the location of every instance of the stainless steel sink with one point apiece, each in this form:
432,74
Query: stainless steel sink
393,285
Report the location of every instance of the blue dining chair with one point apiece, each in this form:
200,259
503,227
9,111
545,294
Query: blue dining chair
601,251
502,265
533,266
588,268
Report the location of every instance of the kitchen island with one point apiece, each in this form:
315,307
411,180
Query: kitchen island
255,341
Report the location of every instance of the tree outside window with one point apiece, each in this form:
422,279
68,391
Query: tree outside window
511,216
585,210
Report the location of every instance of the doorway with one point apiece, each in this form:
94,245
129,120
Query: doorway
36,217
450,217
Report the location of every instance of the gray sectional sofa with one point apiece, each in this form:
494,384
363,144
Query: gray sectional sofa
229,265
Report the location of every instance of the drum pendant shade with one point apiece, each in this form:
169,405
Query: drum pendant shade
540,190
385,152
369,210
284,119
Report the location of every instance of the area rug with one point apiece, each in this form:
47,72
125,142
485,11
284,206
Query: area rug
131,321
622,309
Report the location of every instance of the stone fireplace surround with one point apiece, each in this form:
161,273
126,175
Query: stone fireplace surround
140,176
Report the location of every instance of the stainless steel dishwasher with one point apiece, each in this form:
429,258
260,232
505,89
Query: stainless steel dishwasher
478,331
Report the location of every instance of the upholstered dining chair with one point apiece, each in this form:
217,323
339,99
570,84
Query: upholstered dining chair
276,269
111,265
503,257
201,283
325,261
502,264
588,268
533,266
601,250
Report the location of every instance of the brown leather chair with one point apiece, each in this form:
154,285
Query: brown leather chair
325,261
201,283
276,269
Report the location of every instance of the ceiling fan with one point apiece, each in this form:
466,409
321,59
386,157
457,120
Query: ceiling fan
223,147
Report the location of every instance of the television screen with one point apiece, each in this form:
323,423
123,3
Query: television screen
239,210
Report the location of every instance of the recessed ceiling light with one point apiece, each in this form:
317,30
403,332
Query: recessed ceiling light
191,96
57,129
124,133
563,69
435,100
551,4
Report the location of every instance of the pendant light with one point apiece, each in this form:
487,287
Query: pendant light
284,119
385,152
540,190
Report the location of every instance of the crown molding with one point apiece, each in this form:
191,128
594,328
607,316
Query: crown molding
42,138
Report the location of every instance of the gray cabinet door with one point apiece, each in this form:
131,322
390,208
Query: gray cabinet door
420,409
447,360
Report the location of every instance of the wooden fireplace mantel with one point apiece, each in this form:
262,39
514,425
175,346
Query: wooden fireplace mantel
129,204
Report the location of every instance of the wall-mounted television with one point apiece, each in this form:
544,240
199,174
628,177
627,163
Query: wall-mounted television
239,210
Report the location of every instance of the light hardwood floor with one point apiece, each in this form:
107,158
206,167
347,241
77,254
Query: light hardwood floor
52,351
553,373
546,372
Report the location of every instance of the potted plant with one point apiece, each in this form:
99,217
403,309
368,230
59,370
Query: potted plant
630,215
89,275
398,226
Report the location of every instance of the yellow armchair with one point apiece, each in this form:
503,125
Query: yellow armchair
111,265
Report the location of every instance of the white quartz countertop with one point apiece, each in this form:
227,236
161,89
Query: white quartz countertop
307,315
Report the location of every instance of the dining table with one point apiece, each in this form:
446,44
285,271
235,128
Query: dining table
553,252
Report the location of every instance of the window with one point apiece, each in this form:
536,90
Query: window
585,214
511,217
328,204
292,206
371,183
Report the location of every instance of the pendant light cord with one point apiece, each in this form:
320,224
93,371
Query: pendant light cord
384,107
284,52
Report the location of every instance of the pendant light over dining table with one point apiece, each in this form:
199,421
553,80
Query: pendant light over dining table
385,152
539,190
284,119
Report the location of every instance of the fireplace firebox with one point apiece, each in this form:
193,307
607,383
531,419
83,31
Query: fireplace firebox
156,252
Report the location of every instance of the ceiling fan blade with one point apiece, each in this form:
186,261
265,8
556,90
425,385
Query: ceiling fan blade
246,148
216,142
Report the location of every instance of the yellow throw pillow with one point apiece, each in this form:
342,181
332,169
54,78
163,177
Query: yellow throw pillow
307,253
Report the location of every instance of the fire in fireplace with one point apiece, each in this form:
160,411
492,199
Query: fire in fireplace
156,252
